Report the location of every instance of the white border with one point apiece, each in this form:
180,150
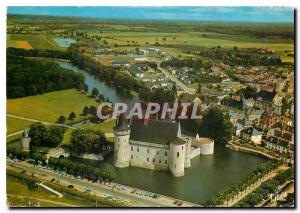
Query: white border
4,4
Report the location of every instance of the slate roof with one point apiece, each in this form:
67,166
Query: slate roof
251,131
156,131
232,103
266,95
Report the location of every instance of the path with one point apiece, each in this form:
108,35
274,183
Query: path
237,147
109,135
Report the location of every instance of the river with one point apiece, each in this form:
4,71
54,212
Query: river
208,174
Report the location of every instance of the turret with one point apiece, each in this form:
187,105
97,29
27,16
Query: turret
25,140
121,146
177,157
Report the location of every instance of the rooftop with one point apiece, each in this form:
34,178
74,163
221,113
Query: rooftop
156,131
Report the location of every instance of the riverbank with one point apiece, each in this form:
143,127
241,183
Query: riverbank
236,147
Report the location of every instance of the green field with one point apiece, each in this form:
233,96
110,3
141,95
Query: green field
49,106
17,188
14,125
36,41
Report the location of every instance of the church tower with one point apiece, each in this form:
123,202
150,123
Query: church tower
25,140
121,146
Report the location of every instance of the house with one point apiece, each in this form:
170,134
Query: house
251,134
120,64
255,114
276,144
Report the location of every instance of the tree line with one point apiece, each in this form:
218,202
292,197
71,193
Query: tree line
122,82
27,77
237,189
268,187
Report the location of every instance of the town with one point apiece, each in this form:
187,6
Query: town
239,85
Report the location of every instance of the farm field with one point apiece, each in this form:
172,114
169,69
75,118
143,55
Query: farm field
14,125
49,106
31,42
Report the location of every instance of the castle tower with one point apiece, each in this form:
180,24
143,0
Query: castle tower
177,158
121,146
25,140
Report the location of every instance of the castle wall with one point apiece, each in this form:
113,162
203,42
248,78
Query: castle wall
177,159
187,160
149,155
195,152
121,149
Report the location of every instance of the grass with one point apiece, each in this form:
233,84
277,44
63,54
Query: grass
67,136
19,188
14,125
200,39
49,106
106,127
34,41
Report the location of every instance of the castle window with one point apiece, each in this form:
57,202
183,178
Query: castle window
182,147
177,154
131,156
157,152
138,149
148,150
166,161
159,161
131,148
118,139
147,159
166,153
153,160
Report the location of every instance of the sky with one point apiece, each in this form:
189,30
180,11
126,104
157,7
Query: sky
228,14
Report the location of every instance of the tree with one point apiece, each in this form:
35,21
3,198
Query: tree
85,87
61,119
36,133
93,110
199,89
72,115
95,92
85,110
174,89
216,125
87,141
32,185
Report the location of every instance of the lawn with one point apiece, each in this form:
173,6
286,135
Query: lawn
17,188
106,127
49,106
14,125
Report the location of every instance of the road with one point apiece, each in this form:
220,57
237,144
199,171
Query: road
179,83
100,189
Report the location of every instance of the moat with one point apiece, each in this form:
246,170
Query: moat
208,174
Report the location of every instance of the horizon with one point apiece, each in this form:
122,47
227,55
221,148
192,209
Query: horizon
204,14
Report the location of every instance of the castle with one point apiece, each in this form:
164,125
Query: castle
156,144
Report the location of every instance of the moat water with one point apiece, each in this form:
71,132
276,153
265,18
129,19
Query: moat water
208,174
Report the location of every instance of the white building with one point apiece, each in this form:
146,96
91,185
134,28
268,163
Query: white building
251,134
155,144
